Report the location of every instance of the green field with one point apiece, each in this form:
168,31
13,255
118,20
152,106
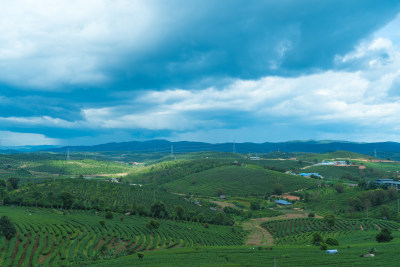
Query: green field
75,220
289,255
54,238
101,196
238,181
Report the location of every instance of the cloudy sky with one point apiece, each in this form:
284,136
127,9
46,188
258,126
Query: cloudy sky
95,71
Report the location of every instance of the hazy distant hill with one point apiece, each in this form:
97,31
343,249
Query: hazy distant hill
292,146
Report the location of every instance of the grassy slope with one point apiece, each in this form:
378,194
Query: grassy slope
333,155
289,255
238,181
280,164
333,172
87,231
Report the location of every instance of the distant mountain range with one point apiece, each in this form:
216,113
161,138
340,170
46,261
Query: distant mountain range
185,146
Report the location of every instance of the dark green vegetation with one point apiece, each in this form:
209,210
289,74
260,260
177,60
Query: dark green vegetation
237,181
99,195
289,255
55,238
204,208
48,165
300,231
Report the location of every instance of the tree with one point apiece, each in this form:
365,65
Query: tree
219,218
220,192
385,212
385,235
36,196
367,204
66,199
278,189
317,239
330,220
13,182
179,212
152,224
254,205
331,241
158,209
339,188
109,215
7,228
393,193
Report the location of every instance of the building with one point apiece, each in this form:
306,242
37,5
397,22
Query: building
311,173
283,202
388,183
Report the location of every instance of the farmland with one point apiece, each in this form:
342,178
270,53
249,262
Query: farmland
200,209
51,237
238,181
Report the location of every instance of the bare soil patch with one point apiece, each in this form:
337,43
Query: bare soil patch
257,235
223,204
287,196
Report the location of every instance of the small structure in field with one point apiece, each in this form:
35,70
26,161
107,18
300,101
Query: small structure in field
311,174
388,183
282,202
332,251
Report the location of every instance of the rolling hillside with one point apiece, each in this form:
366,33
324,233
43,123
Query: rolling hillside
237,181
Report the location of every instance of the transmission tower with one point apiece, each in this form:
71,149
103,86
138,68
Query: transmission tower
234,147
68,157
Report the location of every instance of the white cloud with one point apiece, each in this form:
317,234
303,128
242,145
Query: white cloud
47,43
9,138
38,121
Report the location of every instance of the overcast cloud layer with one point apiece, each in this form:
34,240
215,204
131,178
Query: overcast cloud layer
95,71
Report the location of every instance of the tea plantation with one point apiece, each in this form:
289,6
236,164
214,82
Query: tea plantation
53,238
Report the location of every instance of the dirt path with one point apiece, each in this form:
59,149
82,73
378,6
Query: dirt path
361,227
257,235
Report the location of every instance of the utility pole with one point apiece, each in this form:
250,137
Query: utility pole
375,153
234,147
68,157
172,151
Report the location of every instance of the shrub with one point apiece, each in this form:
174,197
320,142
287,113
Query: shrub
339,188
254,205
102,223
278,189
153,224
324,246
317,239
385,235
331,241
311,215
7,228
109,215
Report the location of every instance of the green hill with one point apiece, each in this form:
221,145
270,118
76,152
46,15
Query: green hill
48,237
238,181
316,157
101,195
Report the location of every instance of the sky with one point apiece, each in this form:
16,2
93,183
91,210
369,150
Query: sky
96,71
